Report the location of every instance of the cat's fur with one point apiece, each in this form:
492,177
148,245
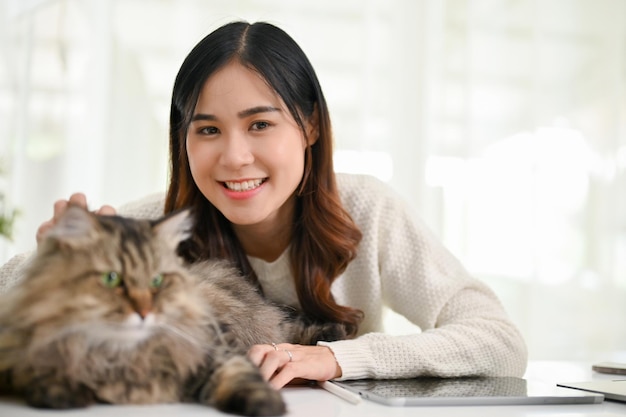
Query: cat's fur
68,340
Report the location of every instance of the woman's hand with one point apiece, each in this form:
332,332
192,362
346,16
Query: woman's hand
282,363
78,199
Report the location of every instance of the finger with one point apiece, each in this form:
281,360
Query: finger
285,374
257,353
42,230
269,358
59,208
283,352
106,210
289,355
272,362
78,199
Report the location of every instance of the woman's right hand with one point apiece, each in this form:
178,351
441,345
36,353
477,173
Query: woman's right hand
78,199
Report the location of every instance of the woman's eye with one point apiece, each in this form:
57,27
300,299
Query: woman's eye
111,279
157,281
210,130
260,125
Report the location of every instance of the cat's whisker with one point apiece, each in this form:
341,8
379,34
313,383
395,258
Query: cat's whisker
182,335
208,346
215,325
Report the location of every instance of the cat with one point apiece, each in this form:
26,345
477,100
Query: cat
107,312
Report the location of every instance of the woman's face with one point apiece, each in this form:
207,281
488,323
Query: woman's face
245,150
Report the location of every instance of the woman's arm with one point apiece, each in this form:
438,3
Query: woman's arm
465,329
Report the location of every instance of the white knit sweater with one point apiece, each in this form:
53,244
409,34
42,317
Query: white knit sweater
402,266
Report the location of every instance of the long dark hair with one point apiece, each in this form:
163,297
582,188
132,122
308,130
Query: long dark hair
324,237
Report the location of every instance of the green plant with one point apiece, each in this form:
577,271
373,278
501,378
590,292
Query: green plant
7,216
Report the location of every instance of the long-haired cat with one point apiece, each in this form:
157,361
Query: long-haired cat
107,312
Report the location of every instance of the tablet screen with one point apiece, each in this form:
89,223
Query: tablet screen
464,391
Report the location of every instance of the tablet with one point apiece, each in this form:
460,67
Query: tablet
617,368
466,391
611,389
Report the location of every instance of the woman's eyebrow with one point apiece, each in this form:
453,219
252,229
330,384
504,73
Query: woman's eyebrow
202,116
255,110
242,114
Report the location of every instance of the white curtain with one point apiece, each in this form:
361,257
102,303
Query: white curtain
502,123
526,167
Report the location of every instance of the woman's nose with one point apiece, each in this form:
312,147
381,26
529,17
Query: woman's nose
236,151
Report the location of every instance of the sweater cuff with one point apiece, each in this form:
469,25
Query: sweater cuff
354,357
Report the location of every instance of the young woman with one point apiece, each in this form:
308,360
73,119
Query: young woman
251,152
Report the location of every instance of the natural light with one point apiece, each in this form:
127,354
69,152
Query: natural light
502,124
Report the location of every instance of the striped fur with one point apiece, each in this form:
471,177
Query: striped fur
71,335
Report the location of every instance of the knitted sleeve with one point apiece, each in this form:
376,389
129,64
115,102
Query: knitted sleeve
148,207
11,272
465,329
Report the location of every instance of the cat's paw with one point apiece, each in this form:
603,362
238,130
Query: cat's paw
237,387
59,396
253,399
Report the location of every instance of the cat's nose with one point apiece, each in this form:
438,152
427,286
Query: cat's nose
143,313
141,301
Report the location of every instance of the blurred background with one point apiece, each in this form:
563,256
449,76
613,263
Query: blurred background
501,122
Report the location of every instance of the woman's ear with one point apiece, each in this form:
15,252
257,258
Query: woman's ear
312,127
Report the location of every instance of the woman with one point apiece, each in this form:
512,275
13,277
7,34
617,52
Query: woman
251,152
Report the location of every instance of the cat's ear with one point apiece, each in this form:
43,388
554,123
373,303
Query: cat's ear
174,228
75,228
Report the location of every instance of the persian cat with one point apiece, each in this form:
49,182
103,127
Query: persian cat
108,313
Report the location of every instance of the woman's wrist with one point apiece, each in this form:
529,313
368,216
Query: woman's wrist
338,372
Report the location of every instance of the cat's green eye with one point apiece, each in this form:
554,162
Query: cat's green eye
111,279
157,281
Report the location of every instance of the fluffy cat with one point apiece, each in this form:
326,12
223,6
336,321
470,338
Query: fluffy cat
107,312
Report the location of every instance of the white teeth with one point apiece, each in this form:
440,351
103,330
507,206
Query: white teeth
243,185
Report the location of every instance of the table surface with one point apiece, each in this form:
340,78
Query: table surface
310,401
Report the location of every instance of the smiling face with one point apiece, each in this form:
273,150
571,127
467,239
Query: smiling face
246,151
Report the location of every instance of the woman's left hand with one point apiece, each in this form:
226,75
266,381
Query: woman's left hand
284,362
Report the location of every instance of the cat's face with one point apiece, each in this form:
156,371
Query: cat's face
116,280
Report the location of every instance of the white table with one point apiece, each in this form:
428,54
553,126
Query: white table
307,401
